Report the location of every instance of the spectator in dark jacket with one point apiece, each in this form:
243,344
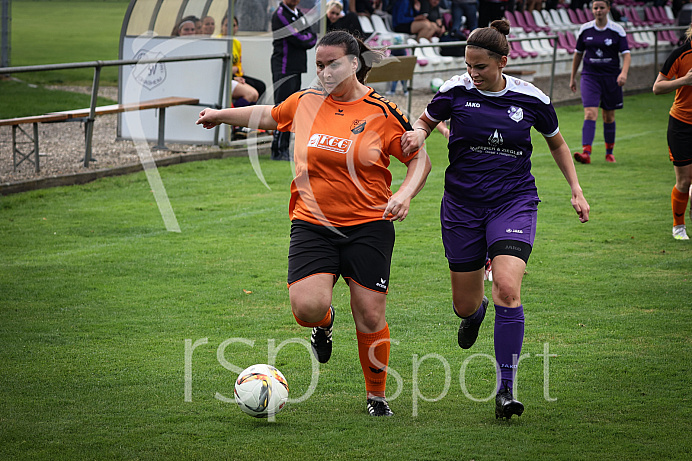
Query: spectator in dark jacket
292,38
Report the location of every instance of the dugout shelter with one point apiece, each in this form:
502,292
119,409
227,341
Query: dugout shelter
148,32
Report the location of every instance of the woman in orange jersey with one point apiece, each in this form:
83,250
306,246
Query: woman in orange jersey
676,75
342,209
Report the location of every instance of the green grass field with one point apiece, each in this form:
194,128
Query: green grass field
100,308
52,32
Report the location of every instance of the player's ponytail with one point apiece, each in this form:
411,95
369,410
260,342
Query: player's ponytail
492,39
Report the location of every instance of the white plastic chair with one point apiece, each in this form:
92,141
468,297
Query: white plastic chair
430,52
418,52
562,12
548,19
366,25
538,17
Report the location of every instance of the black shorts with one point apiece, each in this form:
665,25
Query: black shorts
679,142
361,253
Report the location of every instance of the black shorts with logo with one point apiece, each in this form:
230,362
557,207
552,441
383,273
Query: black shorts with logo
362,253
679,142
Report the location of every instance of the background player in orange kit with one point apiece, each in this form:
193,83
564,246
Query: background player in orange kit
342,209
676,75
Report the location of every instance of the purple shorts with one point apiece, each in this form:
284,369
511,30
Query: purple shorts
469,232
601,91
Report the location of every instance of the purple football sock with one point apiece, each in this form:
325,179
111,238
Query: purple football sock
588,132
609,136
509,336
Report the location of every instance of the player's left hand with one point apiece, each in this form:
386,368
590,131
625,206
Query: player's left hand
396,209
411,141
622,79
581,206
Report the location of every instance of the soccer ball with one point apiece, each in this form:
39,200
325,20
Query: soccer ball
435,84
261,390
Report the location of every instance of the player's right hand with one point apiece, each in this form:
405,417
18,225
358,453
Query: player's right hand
206,118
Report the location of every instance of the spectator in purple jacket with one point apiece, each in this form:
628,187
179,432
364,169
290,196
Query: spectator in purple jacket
292,38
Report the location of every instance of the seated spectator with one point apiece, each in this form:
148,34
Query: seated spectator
208,26
245,90
432,7
407,18
185,27
362,7
339,21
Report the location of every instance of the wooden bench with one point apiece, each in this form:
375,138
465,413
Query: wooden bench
85,114
394,68
32,156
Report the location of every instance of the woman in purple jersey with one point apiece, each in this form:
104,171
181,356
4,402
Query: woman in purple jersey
490,201
599,44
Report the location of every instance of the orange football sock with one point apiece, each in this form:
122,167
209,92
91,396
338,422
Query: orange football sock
373,351
678,202
325,322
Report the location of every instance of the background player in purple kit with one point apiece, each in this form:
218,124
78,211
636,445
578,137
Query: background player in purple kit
490,199
600,43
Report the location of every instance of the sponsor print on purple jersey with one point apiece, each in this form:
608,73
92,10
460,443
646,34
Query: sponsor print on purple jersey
602,48
490,139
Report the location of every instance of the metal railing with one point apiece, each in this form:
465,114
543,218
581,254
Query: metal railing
98,65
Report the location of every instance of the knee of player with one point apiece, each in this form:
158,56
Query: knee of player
466,305
506,292
309,310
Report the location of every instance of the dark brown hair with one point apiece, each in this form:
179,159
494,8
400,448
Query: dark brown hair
353,46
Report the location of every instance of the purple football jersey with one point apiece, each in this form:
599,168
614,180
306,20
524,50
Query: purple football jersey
490,138
602,48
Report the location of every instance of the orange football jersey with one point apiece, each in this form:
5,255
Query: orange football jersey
677,65
342,152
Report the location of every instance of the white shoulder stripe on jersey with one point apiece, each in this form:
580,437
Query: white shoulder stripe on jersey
513,84
612,25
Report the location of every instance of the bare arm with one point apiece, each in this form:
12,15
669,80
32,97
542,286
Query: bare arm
252,116
663,86
576,61
411,141
417,170
563,157
626,61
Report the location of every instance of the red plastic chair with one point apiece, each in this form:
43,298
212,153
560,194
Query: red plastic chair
563,43
531,22
581,14
517,48
664,17
588,13
635,45
571,39
519,21
574,17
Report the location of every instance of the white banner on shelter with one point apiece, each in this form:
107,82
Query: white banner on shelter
194,79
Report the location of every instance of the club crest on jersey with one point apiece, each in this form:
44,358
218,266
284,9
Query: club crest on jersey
516,113
357,126
608,41
332,143
495,139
